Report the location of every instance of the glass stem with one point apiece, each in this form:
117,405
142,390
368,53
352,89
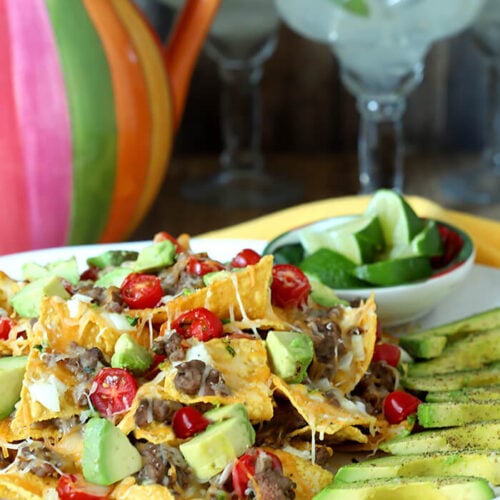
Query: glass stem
241,117
492,149
380,142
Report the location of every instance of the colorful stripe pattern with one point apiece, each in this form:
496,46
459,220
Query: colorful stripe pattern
85,124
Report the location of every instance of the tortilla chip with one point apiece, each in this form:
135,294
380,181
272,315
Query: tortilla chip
243,365
347,434
244,297
26,486
320,415
308,477
63,322
8,288
364,320
128,489
155,432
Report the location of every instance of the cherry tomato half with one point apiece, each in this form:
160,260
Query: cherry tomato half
163,235
199,323
188,421
389,353
244,469
399,405
203,265
113,391
5,327
74,487
246,257
140,291
290,286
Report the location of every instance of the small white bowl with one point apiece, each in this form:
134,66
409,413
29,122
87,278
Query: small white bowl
397,305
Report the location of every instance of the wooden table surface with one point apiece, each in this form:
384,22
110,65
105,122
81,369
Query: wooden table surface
321,177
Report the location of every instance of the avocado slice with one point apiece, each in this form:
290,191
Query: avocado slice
112,258
324,295
12,370
465,394
155,257
114,277
447,488
482,463
290,354
27,301
67,269
489,374
448,414
129,354
471,436
430,343
227,411
470,352
209,452
108,456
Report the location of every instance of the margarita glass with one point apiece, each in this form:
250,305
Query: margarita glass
381,46
242,37
481,183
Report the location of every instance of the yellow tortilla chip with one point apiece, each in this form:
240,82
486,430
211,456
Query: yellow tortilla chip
8,288
244,297
155,432
360,346
26,486
63,322
243,365
128,489
309,478
321,416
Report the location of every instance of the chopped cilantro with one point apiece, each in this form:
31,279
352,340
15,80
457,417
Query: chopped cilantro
131,320
358,7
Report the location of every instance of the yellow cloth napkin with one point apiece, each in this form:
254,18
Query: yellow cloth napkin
484,232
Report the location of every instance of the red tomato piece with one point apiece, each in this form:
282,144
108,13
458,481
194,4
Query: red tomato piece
246,257
452,243
5,327
244,469
188,421
91,274
113,391
163,235
74,487
140,291
399,405
290,286
199,323
389,353
203,265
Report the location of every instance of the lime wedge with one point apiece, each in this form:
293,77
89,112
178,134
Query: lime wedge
394,271
427,243
400,224
332,269
358,239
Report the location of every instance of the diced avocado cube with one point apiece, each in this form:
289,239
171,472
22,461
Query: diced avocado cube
112,258
114,277
227,411
290,354
324,295
108,456
12,370
210,278
67,269
209,452
155,256
27,301
129,354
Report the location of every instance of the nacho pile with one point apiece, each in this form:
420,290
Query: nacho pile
153,375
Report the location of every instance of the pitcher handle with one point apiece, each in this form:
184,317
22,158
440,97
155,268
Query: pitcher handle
183,47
